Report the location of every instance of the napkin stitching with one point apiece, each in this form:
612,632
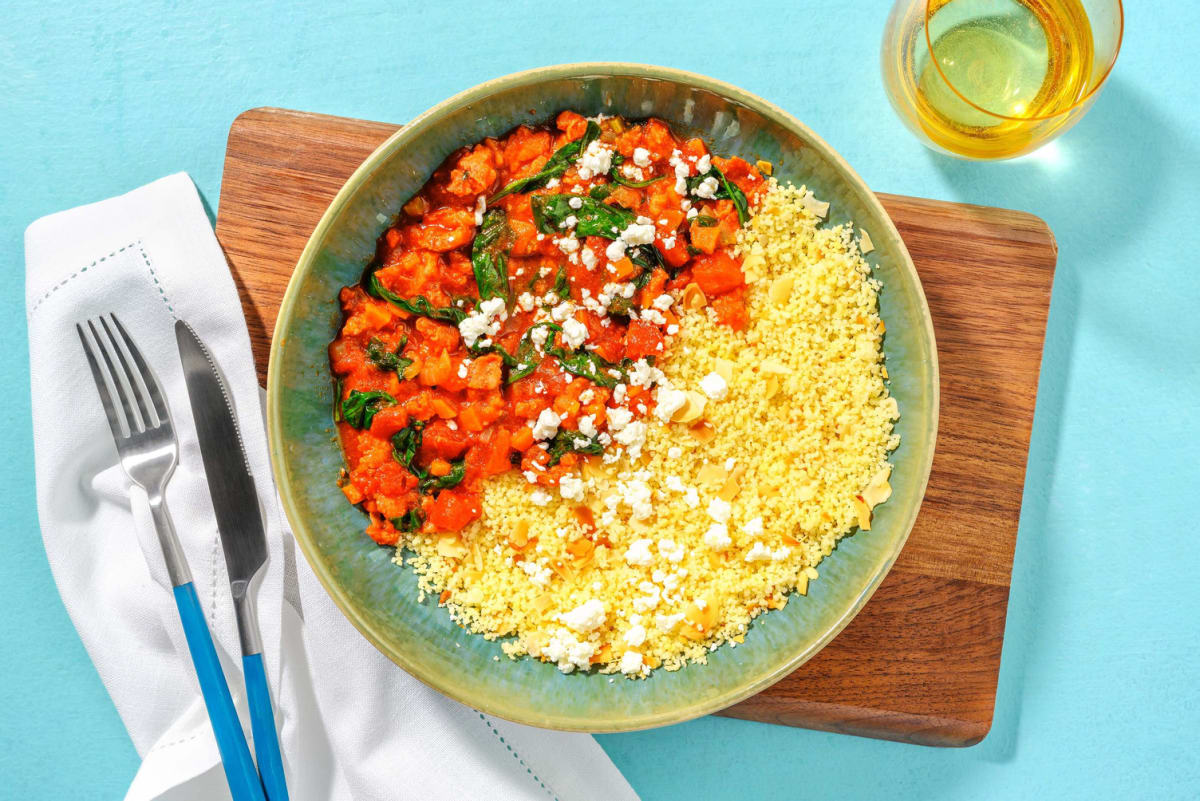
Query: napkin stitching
517,757
153,275
79,272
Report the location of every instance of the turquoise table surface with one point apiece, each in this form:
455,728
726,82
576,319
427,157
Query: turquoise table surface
1100,686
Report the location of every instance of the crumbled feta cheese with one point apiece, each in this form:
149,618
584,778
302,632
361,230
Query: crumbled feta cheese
575,333
633,437
641,157
754,526
615,250
596,160
538,574
480,208
575,203
631,662
638,553
547,425
462,369
643,374
526,301
588,257
632,172
703,164
539,497
671,550
691,498
717,537
618,417
571,488
719,510
635,636
707,188
484,321
586,617
552,183
668,400
714,386
530,476
758,553
618,393
587,425
636,495
667,622
663,302
568,653
639,233
567,244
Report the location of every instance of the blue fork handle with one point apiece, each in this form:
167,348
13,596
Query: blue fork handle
262,725
243,779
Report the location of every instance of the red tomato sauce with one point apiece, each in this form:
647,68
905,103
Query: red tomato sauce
436,394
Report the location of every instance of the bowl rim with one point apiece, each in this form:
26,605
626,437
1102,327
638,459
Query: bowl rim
276,445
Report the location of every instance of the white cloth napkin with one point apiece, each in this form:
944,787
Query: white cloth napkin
353,725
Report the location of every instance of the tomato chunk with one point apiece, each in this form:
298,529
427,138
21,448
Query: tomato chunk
717,273
453,509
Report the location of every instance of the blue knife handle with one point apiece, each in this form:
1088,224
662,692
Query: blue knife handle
243,779
262,725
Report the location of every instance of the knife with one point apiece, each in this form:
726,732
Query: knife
239,521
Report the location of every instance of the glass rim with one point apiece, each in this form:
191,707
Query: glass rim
1032,117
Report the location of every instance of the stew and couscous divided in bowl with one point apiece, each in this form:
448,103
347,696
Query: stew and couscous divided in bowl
381,599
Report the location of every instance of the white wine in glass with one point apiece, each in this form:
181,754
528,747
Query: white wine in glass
993,79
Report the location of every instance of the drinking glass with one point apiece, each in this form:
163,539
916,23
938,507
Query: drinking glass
994,79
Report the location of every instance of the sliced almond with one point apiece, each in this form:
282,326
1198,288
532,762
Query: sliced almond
542,602
450,546
865,245
733,484
518,538
711,474
765,167
770,386
703,431
692,408
414,369
754,267
864,513
811,572
802,584
781,289
693,297
724,368
581,548
878,489
774,367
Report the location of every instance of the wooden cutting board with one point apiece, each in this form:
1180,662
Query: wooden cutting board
919,664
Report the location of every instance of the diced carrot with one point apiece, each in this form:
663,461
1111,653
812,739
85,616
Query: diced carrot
352,493
388,421
436,370
439,467
485,372
718,273
443,408
654,287
393,237
704,239
623,269
468,418
522,438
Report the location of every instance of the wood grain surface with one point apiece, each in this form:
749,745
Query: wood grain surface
920,662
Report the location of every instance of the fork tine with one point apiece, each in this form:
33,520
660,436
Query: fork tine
135,382
115,423
135,424
160,404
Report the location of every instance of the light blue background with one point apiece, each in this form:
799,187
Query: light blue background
1099,692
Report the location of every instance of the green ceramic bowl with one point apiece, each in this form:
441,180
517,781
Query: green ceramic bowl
380,599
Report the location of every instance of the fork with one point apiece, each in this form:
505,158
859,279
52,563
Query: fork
146,444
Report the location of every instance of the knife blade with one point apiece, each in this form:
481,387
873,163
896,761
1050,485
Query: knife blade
230,482
243,539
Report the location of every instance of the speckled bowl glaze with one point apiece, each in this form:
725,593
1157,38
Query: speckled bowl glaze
380,599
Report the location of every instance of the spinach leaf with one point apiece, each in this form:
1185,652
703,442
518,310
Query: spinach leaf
555,166
458,469
381,357
592,218
526,360
411,520
418,305
489,256
566,441
602,191
583,363
337,401
704,221
360,407
727,190
562,287
405,444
